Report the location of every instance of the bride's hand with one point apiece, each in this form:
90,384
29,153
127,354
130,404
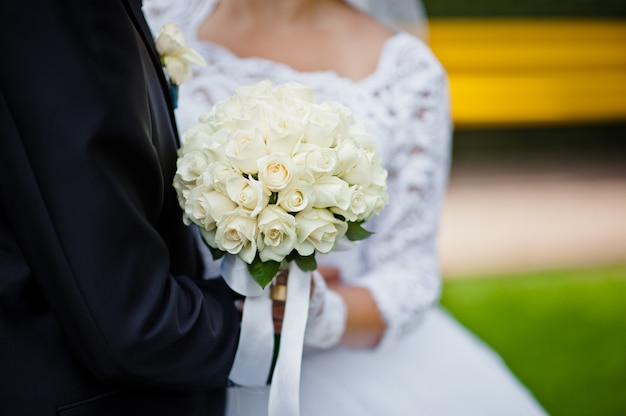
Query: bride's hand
331,275
331,278
327,311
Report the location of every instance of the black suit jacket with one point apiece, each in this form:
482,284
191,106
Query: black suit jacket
102,309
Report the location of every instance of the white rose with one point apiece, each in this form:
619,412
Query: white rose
193,57
170,41
188,173
299,161
320,126
318,230
358,206
205,206
196,137
176,55
253,116
346,120
248,193
297,197
192,166
359,135
378,173
360,173
285,134
331,191
347,154
376,198
277,233
318,135
244,148
276,171
294,91
178,69
319,161
217,115
298,108
182,190
218,174
215,144
236,233
258,90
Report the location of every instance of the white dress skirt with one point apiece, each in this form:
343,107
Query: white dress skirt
441,369
427,363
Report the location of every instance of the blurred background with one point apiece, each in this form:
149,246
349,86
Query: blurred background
533,235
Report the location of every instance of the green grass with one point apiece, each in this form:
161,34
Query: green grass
527,8
563,333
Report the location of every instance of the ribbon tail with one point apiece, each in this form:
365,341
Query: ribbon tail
284,398
255,352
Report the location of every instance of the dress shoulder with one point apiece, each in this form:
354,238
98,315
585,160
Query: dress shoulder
409,58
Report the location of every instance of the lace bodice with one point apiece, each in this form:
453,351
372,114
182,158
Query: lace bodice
404,105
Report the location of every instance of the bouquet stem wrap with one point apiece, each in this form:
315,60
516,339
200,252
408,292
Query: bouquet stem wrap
253,359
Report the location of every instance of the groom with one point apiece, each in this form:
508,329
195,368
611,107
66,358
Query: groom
102,307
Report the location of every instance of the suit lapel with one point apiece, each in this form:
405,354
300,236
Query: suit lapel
133,8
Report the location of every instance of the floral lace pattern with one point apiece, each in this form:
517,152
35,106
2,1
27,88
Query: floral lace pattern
404,105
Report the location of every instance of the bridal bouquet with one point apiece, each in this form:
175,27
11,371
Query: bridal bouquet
272,176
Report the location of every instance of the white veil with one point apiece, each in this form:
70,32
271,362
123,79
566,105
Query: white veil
404,14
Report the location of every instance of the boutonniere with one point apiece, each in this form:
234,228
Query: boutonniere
176,57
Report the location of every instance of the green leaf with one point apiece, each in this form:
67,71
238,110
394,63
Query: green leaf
355,232
215,253
306,263
263,272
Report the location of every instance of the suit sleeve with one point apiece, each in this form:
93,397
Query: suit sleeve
86,187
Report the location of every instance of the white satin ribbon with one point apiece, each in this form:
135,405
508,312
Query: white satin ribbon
284,397
235,273
253,358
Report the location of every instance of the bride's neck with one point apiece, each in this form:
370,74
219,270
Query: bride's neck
274,13
307,35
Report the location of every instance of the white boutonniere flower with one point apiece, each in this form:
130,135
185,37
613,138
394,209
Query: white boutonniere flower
176,56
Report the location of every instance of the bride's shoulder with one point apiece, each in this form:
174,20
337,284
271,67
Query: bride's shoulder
409,68
412,56
399,56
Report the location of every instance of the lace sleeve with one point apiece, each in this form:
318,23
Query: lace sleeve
401,258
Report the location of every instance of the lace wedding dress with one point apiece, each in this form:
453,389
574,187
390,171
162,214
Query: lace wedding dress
427,363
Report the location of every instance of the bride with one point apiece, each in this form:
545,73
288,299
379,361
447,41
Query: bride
379,344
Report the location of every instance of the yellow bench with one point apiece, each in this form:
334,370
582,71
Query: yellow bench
533,71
